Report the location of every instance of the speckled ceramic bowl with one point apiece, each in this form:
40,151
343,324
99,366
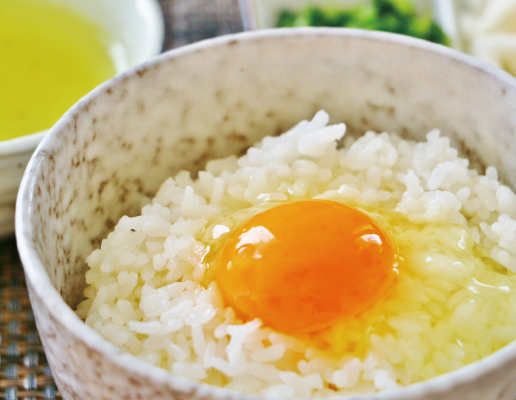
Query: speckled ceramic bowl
138,25
213,99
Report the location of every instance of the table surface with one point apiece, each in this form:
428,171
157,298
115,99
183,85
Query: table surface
24,372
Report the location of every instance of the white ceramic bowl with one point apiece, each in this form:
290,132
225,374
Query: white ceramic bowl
212,99
138,25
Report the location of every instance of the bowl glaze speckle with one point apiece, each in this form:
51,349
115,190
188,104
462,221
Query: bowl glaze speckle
112,150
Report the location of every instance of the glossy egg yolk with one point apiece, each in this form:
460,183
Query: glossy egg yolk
302,266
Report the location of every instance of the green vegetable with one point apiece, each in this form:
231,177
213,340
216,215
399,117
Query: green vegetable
396,16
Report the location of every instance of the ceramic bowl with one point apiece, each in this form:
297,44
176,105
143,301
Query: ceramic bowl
215,98
138,25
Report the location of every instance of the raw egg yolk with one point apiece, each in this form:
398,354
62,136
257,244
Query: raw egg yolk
302,266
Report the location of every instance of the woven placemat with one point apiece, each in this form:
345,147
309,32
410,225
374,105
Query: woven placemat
24,371
188,21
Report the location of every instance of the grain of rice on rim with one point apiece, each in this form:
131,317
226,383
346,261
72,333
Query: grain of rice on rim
145,296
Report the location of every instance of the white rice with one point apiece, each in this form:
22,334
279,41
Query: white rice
145,294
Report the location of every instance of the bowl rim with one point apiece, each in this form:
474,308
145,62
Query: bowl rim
53,302
152,16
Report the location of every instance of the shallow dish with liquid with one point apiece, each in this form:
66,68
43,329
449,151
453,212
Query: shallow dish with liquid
55,52
354,75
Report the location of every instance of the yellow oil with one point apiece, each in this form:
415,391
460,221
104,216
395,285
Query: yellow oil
49,58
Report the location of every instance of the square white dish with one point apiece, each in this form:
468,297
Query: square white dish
262,14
